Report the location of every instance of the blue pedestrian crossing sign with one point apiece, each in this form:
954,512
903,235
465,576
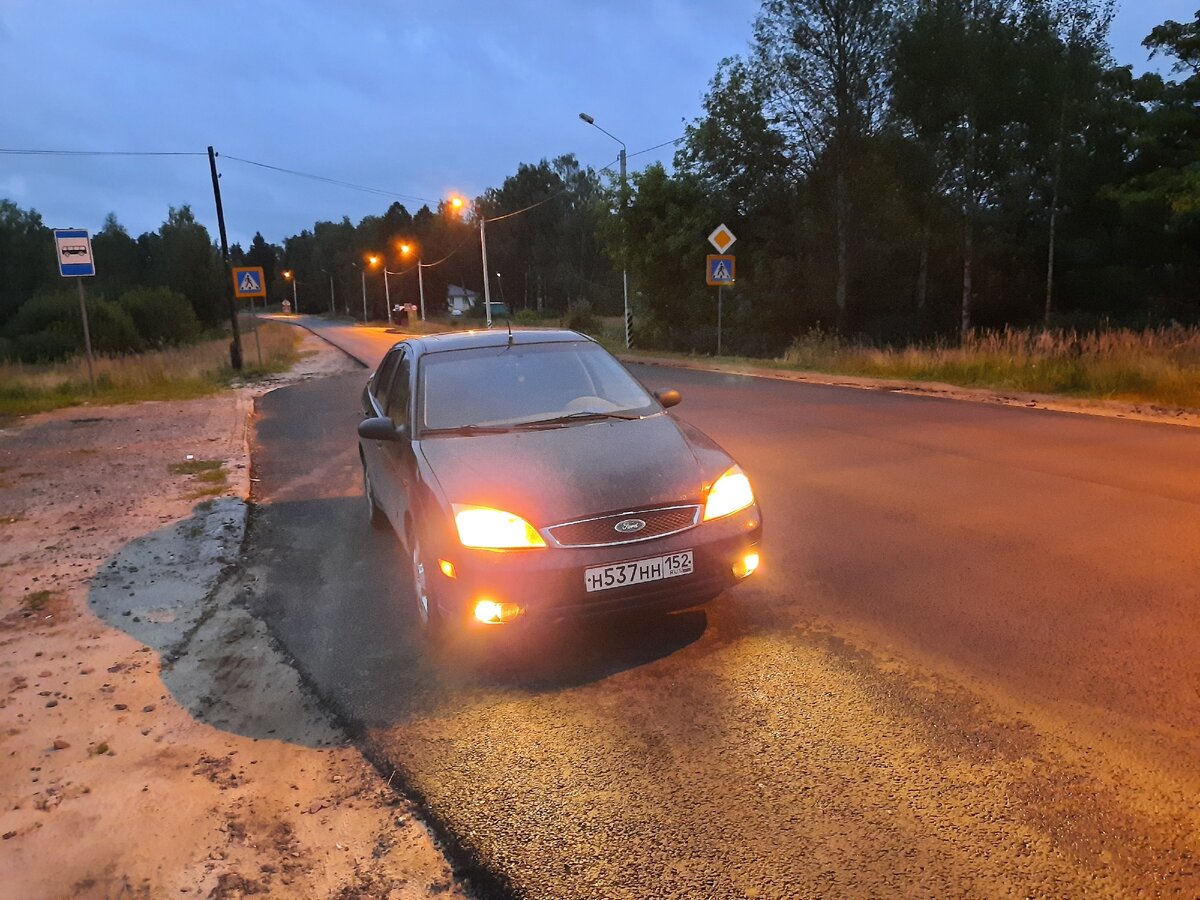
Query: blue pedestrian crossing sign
719,270
248,282
74,248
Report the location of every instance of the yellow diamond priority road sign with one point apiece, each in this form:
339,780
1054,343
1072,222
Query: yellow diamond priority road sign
721,238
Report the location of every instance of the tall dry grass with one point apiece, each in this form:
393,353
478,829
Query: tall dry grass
1158,366
174,374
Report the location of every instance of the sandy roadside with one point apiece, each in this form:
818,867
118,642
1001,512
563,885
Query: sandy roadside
154,742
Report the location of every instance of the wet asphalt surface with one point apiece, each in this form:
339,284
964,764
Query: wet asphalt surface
969,666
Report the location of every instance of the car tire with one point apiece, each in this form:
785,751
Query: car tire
429,619
375,515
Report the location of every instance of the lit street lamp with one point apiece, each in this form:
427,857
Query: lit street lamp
405,249
458,204
362,270
289,275
624,250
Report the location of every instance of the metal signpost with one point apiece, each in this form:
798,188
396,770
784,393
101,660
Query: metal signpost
248,283
720,269
74,247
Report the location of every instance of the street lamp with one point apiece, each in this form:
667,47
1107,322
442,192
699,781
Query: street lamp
289,275
333,309
458,204
404,249
624,250
500,283
362,271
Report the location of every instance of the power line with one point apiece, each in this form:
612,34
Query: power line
656,147
101,153
322,178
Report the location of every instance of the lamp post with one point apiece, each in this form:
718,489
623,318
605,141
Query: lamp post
404,249
500,284
332,307
362,271
289,275
421,286
624,250
458,205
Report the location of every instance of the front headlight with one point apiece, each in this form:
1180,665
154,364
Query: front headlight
728,494
494,529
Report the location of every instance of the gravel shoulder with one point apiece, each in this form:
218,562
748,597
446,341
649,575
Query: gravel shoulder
155,739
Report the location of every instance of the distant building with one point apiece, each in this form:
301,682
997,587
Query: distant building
460,299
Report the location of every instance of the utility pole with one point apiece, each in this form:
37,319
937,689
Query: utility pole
487,293
421,287
624,231
235,346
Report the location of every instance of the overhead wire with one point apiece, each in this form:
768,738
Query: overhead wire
16,152
326,180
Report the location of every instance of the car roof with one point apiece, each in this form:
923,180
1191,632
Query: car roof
496,337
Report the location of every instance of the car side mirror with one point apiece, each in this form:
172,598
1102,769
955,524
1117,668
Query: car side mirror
380,428
668,397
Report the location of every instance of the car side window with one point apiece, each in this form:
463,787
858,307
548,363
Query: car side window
398,395
383,376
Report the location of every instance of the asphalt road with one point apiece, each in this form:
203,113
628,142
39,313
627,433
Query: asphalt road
970,664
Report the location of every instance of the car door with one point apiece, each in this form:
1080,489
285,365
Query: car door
375,396
398,460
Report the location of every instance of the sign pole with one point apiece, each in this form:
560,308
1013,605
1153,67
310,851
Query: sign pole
720,288
254,328
87,336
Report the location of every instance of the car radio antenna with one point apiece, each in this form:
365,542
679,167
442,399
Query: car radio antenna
508,322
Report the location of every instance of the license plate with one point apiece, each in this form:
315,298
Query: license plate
638,571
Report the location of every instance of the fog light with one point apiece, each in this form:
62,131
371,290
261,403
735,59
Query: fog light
447,568
746,565
492,613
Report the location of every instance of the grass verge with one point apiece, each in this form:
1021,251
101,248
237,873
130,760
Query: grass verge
177,374
1160,366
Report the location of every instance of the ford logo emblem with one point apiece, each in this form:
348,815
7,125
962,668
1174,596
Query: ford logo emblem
629,526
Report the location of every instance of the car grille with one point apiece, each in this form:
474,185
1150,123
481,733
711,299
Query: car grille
600,531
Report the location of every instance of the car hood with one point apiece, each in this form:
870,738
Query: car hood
555,475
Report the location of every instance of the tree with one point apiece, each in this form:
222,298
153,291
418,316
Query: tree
190,264
823,65
265,255
118,264
732,148
27,259
1077,42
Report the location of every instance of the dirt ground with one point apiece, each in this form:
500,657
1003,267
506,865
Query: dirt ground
154,741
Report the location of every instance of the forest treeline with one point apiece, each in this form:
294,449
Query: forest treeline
894,170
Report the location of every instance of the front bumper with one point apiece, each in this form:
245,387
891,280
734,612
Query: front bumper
547,583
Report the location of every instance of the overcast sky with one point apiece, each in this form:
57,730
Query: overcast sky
416,99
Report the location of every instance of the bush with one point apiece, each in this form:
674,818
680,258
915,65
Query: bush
163,318
526,317
48,327
580,318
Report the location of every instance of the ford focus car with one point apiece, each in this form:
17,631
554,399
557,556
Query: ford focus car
531,477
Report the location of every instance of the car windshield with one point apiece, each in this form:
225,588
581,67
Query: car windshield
522,383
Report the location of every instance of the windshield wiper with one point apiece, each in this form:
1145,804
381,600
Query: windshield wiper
469,429
581,416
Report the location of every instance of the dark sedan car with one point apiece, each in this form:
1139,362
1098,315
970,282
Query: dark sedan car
531,477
